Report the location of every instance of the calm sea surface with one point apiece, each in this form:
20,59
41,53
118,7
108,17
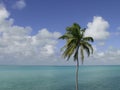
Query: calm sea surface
59,78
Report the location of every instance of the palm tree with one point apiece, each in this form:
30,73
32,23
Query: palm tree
76,43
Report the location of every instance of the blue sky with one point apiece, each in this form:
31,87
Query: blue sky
26,22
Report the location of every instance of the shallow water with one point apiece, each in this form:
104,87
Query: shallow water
59,78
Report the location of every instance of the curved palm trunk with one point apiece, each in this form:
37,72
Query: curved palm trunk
77,68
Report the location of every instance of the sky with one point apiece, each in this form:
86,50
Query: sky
29,30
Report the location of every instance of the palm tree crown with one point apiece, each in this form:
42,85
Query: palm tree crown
75,42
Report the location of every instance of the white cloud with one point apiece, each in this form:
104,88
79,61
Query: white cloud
48,50
17,46
3,13
98,28
108,57
20,4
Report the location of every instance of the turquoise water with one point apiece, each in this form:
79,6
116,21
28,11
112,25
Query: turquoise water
59,78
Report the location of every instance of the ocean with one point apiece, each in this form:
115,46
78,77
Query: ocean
59,77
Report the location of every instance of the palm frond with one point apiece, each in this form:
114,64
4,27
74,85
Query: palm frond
70,41
77,26
87,45
66,36
88,39
69,51
90,46
86,48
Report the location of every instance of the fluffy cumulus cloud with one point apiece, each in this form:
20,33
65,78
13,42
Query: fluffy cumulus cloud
20,4
17,46
98,28
108,57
